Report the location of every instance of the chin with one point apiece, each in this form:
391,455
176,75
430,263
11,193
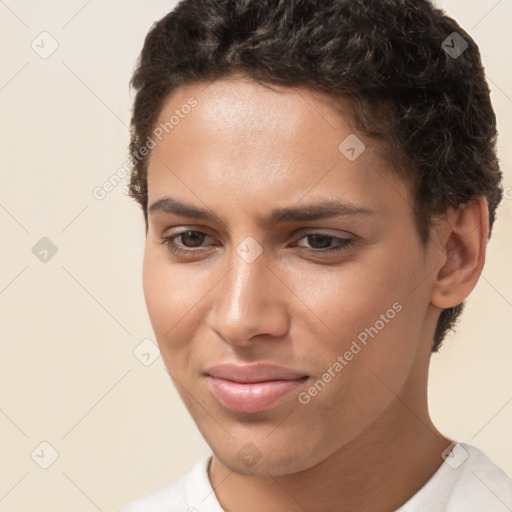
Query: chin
266,461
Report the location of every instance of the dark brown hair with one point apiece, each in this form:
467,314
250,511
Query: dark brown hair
412,83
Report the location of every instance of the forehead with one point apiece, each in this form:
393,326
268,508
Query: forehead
269,118
255,143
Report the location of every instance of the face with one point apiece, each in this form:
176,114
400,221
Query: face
340,300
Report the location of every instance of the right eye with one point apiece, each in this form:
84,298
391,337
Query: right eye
192,237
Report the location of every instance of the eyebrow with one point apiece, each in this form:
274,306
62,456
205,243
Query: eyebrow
315,211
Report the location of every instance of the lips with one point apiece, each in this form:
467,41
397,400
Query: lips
252,388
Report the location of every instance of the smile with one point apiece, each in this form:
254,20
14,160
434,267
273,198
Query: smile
252,397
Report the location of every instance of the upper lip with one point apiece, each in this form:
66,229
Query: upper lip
257,372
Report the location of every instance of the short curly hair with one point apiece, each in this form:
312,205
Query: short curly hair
391,59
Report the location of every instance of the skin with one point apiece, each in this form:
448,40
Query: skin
366,441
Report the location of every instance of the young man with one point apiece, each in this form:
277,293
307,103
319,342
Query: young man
319,181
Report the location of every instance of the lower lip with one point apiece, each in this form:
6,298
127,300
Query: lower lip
252,396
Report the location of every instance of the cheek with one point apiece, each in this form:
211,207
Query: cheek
353,297
170,297
156,290
369,313
374,327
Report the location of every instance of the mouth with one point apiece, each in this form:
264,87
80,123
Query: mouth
252,388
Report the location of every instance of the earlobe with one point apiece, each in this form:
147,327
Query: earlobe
463,242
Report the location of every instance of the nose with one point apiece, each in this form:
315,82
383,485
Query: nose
249,301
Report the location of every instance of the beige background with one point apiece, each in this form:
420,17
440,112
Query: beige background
70,326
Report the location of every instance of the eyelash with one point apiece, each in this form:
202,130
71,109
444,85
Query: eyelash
343,243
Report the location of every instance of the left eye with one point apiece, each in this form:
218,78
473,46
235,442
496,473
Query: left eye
324,242
195,239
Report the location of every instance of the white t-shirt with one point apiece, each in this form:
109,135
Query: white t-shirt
467,481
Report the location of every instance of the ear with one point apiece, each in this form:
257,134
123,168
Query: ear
462,236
